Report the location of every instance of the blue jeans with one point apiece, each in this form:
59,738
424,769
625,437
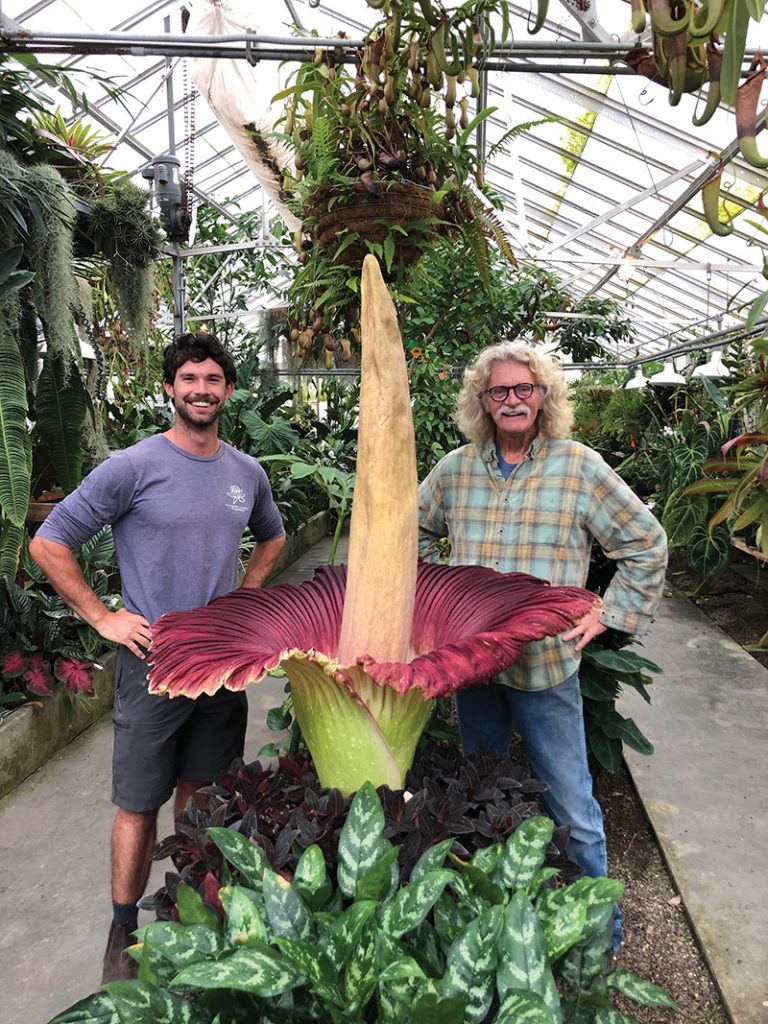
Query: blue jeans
551,725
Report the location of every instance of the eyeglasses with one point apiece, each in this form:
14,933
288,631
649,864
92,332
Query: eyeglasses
500,393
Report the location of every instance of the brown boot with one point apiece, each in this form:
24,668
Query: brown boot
118,965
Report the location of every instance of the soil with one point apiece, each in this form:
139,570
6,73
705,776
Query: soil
658,942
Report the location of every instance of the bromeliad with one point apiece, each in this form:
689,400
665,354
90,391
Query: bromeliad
367,649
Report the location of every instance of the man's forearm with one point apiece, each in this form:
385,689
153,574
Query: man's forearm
65,575
262,562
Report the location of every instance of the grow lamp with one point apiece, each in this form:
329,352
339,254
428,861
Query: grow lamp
667,376
715,367
638,381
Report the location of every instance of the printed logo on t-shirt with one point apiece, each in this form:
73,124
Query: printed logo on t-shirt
236,494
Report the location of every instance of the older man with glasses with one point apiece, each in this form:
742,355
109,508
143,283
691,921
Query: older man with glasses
523,497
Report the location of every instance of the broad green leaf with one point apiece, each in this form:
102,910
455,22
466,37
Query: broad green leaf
360,839
564,928
522,952
249,859
450,918
606,751
608,1015
525,850
60,403
192,909
311,877
287,912
622,661
413,902
430,1008
261,971
15,448
524,1008
432,858
361,973
624,729
641,991
98,1008
382,878
682,514
340,939
471,965
487,891
137,1001
708,550
181,944
244,924
596,894
309,961
487,858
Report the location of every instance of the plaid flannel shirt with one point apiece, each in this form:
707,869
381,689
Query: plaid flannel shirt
542,520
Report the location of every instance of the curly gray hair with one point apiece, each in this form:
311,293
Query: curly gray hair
556,415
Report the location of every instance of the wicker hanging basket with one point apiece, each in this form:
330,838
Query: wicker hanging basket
336,213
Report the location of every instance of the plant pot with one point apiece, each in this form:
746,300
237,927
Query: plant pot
353,208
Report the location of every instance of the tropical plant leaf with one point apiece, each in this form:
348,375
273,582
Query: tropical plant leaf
192,910
523,959
274,438
260,970
288,914
360,841
471,964
413,902
11,541
249,858
182,945
244,924
311,877
617,727
641,991
138,1000
525,851
98,1008
344,934
15,447
524,1008
708,549
60,405
682,514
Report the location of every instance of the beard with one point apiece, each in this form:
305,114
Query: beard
197,419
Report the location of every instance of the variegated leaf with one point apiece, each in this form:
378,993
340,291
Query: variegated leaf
486,890
608,1015
524,1008
587,961
542,876
564,928
311,877
361,974
261,971
192,909
341,938
471,964
136,1001
487,858
287,912
244,924
595,893
424,943
523,960
644,992
432,858
182,944
380,882
249,859
450,919
524,851
309,960
413,902
96,1009
360,839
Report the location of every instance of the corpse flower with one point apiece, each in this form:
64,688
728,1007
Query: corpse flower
367,649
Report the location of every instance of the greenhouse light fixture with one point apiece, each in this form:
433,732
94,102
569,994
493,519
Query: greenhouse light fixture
667,376
714,367
638,381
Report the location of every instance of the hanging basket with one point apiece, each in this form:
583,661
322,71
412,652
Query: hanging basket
336,212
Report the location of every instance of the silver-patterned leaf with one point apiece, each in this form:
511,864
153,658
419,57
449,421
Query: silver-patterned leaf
524,1008
524,852
471,964
244,924
260,971
311,877
563,928
360,839
432,858
644,992
341,938
413,902
450,918
361,974
136,1002
249,859
96,1009
608,1015
182,944
523,960
287,912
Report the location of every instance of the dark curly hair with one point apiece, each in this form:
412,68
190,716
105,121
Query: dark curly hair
198,348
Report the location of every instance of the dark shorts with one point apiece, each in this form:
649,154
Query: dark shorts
159,740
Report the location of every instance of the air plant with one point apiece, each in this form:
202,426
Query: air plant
367,649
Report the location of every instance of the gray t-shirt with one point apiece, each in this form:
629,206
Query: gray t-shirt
177,520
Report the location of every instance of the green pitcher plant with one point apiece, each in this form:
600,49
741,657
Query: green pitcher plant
367,648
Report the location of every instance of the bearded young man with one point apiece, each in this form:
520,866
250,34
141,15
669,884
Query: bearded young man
178,504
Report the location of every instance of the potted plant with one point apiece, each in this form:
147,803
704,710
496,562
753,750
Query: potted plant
386,159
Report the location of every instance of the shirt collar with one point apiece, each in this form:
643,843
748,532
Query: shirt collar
488,449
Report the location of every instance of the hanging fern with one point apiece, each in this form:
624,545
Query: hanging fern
15,448
61,408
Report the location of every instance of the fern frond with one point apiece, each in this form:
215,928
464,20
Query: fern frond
493,228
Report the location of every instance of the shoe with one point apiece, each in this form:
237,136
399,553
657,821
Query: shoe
118,965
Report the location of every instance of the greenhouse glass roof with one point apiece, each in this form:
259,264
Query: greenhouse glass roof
607,195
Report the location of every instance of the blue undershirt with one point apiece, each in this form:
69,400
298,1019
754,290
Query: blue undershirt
507,468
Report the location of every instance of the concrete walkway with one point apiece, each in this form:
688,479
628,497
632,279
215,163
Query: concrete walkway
704,790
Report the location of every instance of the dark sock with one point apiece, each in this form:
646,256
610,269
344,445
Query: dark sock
125,914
